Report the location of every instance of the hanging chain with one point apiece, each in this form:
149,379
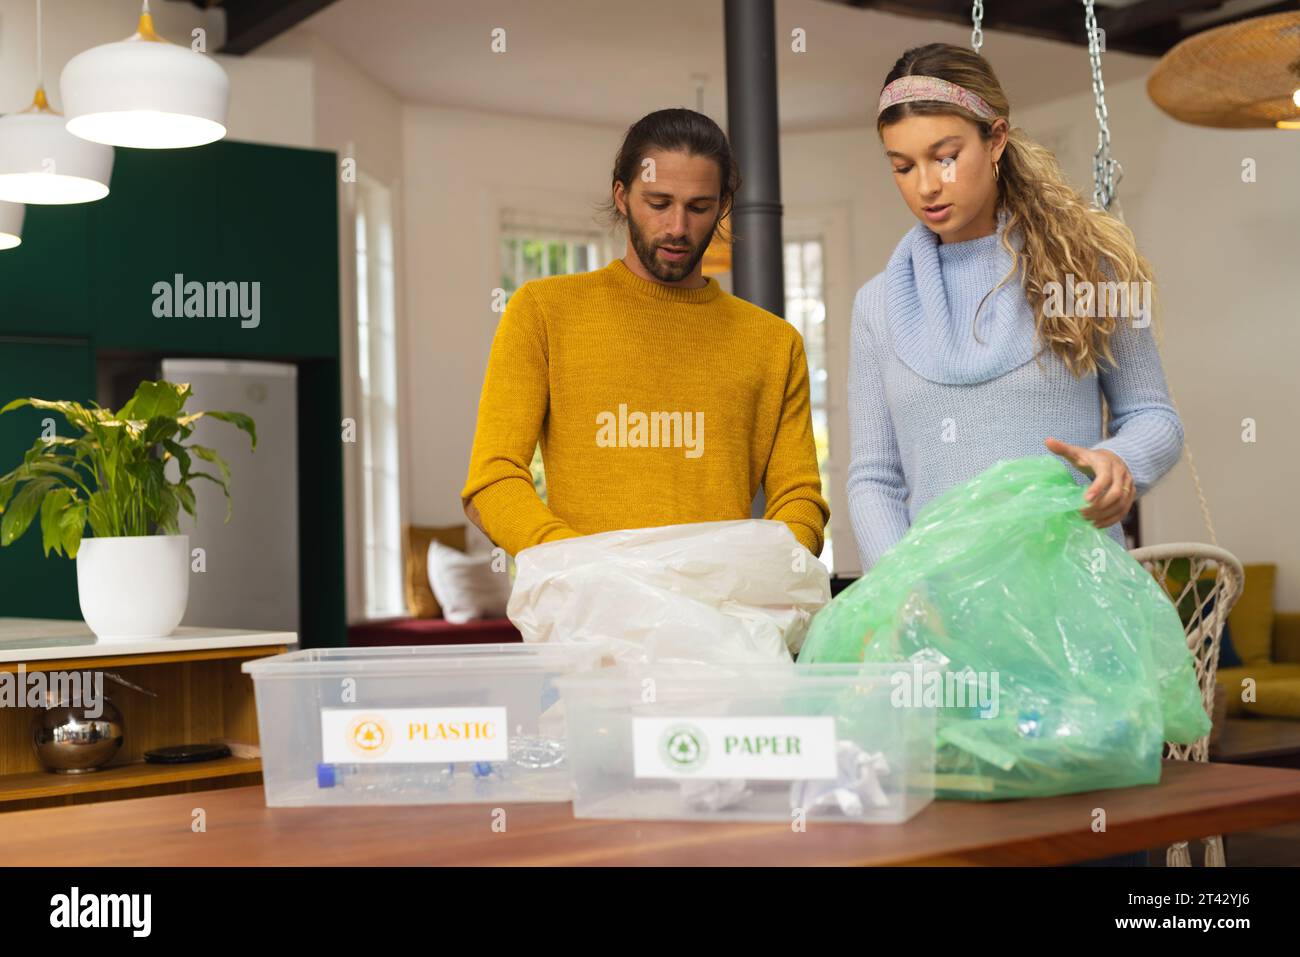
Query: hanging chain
1106,175
977,16
1106,171
40,45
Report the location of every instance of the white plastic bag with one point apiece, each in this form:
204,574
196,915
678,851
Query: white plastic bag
742,590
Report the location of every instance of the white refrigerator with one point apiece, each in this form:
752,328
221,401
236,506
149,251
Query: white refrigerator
244,573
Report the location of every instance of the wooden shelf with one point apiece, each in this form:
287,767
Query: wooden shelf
44,784
110,662
202,695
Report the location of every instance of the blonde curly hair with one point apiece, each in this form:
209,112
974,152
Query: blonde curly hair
1063,234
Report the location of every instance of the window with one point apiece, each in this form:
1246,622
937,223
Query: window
378,428
532,257
805,309
531,254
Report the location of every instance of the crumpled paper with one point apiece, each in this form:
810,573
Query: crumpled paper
856,785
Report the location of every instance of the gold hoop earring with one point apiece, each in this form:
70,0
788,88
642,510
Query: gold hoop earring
995,169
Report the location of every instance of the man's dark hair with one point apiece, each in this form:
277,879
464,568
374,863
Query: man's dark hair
674,130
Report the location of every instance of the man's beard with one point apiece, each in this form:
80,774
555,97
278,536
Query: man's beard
646,251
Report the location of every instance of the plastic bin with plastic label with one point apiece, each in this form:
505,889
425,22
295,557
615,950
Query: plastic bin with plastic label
415,725
750,742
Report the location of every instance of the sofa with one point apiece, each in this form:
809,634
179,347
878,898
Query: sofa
424,623
1267,642
431,631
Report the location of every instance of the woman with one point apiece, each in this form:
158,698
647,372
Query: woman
993,331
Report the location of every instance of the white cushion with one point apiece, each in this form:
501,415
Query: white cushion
465,586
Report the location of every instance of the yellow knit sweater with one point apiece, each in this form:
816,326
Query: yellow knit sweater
654,405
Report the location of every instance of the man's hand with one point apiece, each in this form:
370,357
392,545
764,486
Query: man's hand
1112,491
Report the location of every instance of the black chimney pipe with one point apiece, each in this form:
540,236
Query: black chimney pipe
757,262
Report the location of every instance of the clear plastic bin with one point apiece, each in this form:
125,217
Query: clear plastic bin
761,742
449,724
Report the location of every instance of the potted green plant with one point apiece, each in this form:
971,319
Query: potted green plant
133,572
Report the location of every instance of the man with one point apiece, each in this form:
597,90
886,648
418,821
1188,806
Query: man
658,398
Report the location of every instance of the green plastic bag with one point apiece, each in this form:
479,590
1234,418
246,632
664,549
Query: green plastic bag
1064,666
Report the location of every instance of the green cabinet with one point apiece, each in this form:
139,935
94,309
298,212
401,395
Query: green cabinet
31,585
239,220
43,283
85,282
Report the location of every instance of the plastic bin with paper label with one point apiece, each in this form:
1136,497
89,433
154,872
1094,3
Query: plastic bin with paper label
413,725
754,742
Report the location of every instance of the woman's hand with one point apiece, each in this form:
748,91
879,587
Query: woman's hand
1112,491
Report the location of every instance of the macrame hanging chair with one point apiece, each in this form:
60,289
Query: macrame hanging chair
1203,581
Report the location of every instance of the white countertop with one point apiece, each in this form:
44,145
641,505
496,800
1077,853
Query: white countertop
43,639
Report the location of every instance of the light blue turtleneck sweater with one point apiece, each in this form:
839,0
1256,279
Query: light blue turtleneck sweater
931,407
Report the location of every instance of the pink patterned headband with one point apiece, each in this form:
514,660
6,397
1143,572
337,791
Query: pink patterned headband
908,88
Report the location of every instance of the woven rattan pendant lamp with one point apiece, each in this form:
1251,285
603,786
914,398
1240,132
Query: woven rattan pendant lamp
1237,76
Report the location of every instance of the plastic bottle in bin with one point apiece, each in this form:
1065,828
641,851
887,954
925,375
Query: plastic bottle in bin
386,778
527,752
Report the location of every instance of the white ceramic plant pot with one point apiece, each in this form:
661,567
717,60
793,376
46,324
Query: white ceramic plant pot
134,586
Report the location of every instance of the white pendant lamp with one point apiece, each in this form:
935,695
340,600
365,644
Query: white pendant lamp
41,162
11,224
145,92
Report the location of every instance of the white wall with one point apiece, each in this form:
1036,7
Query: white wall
1225,254
1224,251
460,167
359,119
1221,249
842,174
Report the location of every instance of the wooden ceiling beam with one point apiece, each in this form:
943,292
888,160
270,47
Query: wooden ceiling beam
251,23
1126,21
1060,20
1147,28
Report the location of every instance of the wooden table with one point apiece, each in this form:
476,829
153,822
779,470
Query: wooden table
1192,800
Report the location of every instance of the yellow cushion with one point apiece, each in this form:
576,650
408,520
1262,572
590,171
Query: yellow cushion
1286,637
420,602
1276,690
1251,619
1278,699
